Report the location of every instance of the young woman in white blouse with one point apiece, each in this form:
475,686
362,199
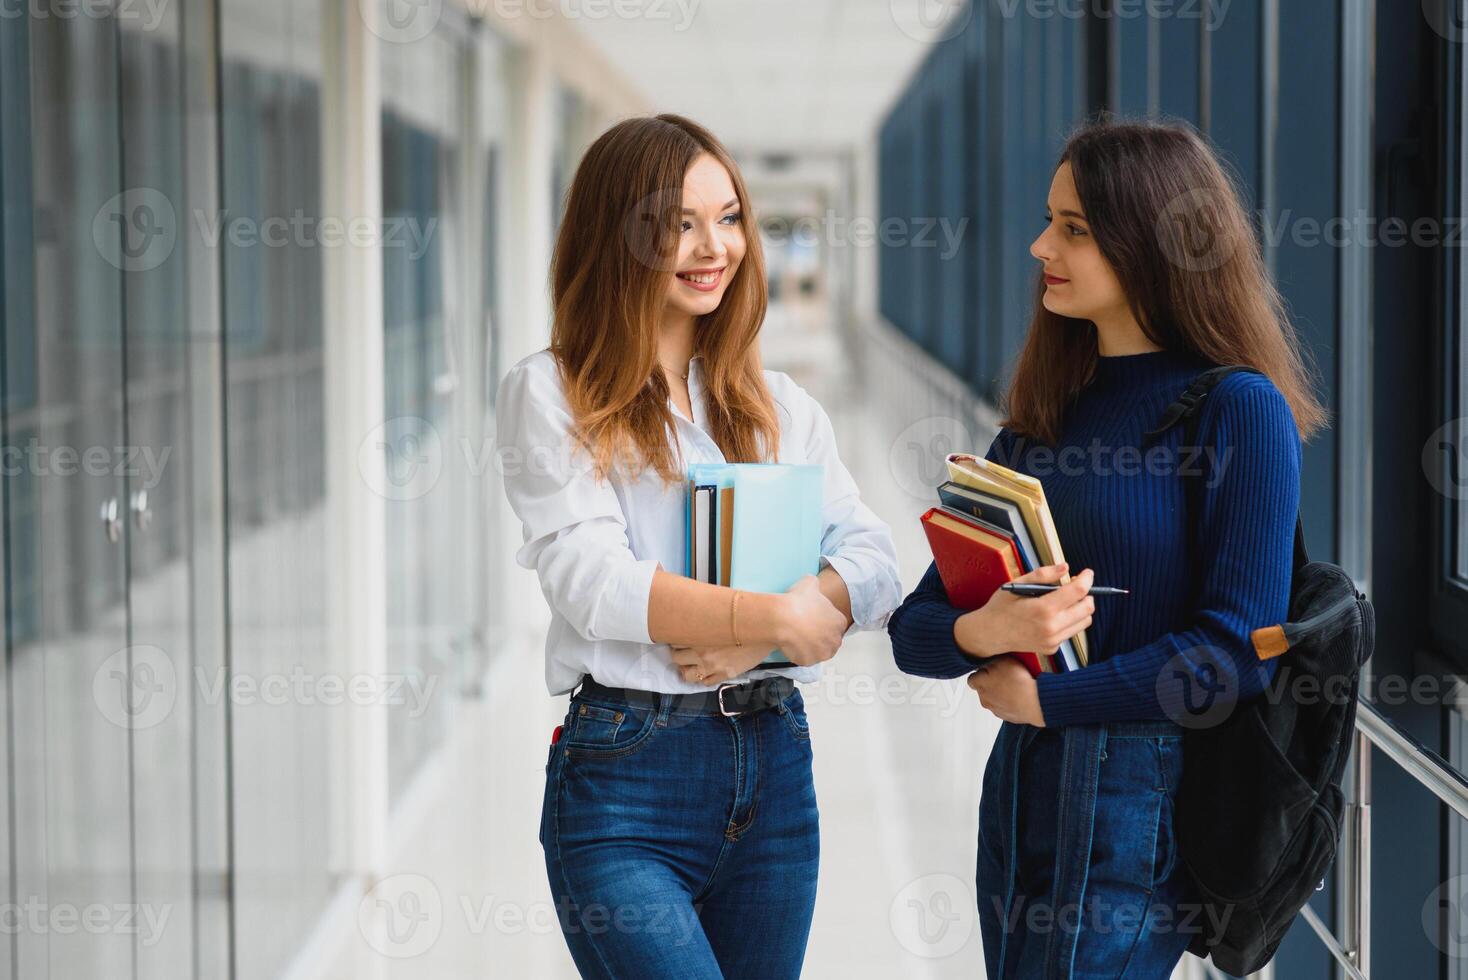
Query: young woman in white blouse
679,820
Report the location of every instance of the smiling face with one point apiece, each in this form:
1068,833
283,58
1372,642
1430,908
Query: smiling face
711,239
1079,282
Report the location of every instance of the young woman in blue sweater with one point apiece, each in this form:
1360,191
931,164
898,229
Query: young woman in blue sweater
1149,274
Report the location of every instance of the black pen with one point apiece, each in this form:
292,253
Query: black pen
1045,588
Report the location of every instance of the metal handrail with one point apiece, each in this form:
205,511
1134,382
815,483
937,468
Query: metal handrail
1342,956
1422,764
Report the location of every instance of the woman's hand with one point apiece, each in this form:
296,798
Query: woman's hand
714,665
1008,689
1041,623
811,628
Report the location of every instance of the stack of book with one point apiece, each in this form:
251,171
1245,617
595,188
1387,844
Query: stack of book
993,525
776,538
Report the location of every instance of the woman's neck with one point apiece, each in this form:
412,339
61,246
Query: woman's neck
675,342
1120,334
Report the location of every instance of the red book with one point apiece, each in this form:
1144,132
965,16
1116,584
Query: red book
973,561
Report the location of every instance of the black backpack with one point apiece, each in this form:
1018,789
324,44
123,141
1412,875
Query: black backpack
1260,808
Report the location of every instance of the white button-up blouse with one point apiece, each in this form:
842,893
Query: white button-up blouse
595,544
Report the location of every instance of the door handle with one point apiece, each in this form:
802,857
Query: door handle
142,516
111,520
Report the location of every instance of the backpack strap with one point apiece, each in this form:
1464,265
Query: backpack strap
1187,410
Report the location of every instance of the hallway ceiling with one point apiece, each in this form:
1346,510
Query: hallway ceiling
796,76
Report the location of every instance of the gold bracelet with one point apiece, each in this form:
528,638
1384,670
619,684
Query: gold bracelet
733,627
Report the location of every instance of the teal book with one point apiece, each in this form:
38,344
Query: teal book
776,535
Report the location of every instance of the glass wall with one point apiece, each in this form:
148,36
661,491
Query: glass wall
429,384
492,103
157,418
572,132
163,389
279,571
70,791
977,129
96,524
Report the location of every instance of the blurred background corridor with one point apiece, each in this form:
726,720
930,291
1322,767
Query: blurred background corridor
273,699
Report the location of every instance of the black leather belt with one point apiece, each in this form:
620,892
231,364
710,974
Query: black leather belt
729,700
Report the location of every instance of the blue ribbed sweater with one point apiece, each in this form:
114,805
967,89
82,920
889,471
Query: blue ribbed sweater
1125,518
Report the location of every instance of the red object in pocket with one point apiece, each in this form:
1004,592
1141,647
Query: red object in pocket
556,735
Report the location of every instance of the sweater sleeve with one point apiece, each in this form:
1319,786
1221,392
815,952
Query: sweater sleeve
922,627
1245,537
922,632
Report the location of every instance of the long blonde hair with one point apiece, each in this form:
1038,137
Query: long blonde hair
613,263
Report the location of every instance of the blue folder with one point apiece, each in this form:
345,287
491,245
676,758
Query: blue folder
777,524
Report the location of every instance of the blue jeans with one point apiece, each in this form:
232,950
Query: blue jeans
680,844
1135,911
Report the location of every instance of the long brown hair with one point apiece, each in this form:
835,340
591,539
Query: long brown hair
1169,220
614,259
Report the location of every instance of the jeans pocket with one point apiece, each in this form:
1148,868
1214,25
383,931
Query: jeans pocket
606,731
792,709
552,774
1127,849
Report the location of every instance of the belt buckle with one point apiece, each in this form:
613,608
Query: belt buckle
722,709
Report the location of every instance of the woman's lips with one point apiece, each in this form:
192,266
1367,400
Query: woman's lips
1054,280
712,283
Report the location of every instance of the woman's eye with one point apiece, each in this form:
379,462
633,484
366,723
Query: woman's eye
730,219
1048,219
1076,232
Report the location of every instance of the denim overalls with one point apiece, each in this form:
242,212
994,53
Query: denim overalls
1078,874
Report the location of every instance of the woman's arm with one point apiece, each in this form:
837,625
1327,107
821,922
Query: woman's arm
858,575
923,632
686,612
931,637
576,541
715,663
1246,547
859,572
833,587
